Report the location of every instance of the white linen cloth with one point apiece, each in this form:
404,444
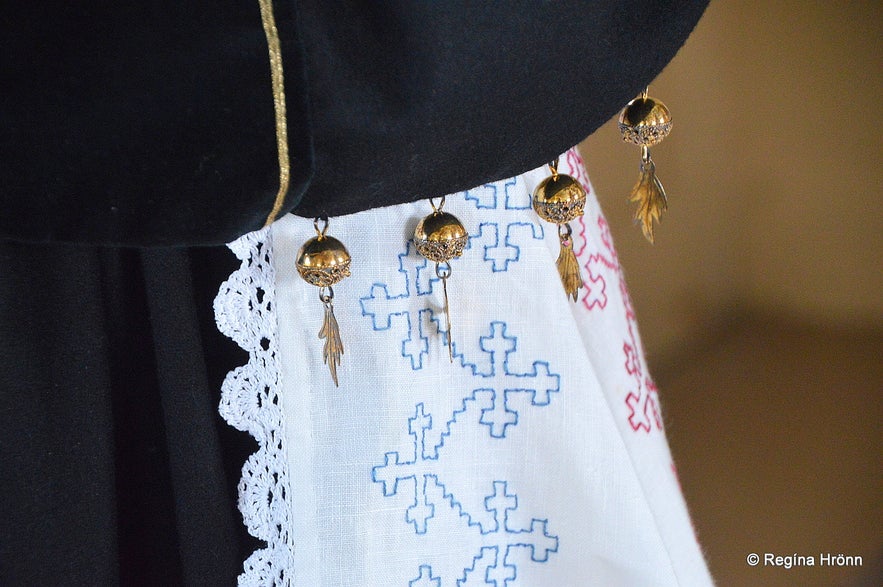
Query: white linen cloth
537,458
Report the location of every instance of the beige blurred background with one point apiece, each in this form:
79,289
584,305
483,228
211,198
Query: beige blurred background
761,303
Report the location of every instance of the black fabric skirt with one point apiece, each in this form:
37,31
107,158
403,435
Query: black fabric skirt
116,467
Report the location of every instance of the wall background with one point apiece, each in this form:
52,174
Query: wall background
761,303
774,172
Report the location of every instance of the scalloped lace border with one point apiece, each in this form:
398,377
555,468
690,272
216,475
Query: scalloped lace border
245,311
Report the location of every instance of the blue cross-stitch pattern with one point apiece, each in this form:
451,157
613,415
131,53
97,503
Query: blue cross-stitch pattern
501,242
501,381
417,471
493,564
486,196
489,401
425,579
499,570
418,276
498,254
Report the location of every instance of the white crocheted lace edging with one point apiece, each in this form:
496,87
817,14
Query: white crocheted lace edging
245,311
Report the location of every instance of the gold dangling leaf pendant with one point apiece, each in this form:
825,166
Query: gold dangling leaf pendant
333,344
568,266
323,261
650,196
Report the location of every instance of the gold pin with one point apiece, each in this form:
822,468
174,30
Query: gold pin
560,198
441,237
323,261
645,121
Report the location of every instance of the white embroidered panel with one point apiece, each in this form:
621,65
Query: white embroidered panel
536,458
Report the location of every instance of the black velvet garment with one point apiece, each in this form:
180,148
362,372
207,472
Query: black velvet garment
138,137
146,123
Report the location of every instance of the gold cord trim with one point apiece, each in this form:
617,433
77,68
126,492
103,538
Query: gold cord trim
278,80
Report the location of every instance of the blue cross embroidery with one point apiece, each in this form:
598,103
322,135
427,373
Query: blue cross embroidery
501,246
486,196
416,475
425,579
496,384
498,254
503,382
417,471
499,569
417,275
494,564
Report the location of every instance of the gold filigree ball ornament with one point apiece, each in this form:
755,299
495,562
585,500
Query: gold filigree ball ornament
323,261
559,199
441,237
645,122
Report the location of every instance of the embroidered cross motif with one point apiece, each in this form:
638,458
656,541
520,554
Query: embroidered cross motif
500,242
644,408
418,276
494,560
419,477
498,254
496,563
538,383
642,400
486,196
425,579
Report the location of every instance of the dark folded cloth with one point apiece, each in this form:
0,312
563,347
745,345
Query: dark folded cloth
153,124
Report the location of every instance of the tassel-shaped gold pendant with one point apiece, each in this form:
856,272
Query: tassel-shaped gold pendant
560,198
331,333
323,261
568,266
645,121
649,195
441,237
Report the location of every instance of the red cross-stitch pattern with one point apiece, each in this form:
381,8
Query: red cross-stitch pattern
573,166
602,268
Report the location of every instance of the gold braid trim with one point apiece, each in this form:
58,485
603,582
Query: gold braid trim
278,79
